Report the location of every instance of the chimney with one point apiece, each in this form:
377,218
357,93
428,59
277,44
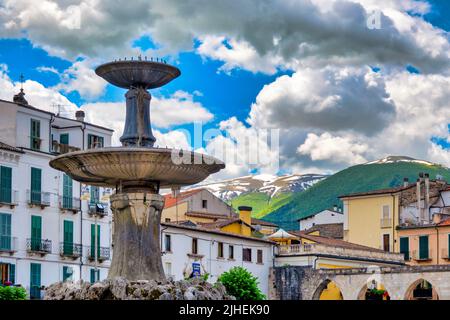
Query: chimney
405,182
79,115
245,214
419,181
427,193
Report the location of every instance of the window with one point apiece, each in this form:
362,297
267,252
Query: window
95,141
205,204
168,269
35,281
404,247
231,252
35,134
247,254
68,238
94,275
95,195
5,231
64,138
194,246
167,220
35,187
220,250
67,200
168,243
36,233
7,273
67,273
259,256
386,242
423,248
94,235
5,184
386,212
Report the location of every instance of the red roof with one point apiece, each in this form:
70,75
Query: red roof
170,201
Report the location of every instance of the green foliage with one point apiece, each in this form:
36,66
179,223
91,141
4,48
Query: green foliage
205,276
359,178
12,293
260,202
242,284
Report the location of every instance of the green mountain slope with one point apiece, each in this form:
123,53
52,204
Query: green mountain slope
261,202
359,178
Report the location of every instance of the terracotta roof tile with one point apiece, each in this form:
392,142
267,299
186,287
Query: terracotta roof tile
7,147
170,201
329,230
263,223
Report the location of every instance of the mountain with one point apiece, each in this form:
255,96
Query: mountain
383,173
263,192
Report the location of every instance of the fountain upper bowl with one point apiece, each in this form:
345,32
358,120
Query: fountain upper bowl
137,73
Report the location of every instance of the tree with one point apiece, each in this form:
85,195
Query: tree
242,284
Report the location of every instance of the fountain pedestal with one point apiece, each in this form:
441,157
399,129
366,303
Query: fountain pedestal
136,236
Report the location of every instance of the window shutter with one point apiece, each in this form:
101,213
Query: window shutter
36,185
64,138
68,237
36,232
67,192
5,184
12,273
5,231
423,247
404,247
35,280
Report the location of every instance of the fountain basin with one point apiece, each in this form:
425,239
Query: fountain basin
108,167
146,74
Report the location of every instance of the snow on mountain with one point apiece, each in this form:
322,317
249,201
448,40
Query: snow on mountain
269,184
396,159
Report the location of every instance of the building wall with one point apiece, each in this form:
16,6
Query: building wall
324,217
214,204
7,127
181,261
362,221
177,212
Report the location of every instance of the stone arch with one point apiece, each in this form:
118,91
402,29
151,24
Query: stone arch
363,291
327,284
410,291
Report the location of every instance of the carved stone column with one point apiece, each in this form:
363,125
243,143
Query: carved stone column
137,254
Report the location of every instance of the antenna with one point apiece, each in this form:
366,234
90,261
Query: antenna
22,78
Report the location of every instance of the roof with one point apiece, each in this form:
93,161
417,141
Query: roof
7,147
334,242
318,212
207,215
330,230
217,232
263,223
377,192
224,223
281,234
170,201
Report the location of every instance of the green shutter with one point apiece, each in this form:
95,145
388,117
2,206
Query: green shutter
67,192
93,240
12,273
35,280
67,273
448,245
423,248
35,134
36,233
95,276
404,247
5,231
101,142
68,237
5,184
36,175
64,138
95,195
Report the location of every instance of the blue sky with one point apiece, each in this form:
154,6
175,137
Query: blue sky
233,72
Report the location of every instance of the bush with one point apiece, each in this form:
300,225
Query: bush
242,284
13,293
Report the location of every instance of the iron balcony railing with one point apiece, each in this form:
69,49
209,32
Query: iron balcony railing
386,222
61,148
9,196
422,255
98,208
103,253
8,244
69,249
42,246
69,203
38,198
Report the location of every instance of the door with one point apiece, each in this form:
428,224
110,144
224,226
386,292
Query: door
93,236
67,192
386,242
5,231
68,237
36,233
404,247
5,184
36,185
35,281
95,195
423,248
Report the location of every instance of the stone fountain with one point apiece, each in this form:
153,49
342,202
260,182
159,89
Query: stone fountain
137,170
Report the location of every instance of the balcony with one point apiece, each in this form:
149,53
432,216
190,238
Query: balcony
37,198
61,148
100,209
39,246
103,253
70,250
422,256
9,197
386,223
8,244
69,204
35,143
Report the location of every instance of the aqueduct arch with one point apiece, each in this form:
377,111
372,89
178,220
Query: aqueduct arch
328,290
430,293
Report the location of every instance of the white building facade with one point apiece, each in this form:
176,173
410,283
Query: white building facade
191,251
323,217
51,228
